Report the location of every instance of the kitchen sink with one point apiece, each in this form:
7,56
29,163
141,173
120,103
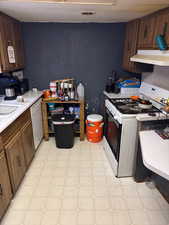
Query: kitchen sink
7,109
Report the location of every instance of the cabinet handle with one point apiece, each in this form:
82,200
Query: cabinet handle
19,161
9,42
165,27
145,32
128,46
1,190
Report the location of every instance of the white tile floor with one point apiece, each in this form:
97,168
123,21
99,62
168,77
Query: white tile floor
77,187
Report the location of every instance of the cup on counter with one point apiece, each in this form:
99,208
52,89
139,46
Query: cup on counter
2,98
35,90
20,98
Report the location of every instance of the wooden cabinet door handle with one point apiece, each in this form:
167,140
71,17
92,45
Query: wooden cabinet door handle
9,42
145,32
128,46
1,190
19,161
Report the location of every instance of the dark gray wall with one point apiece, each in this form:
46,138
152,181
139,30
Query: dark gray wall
87,52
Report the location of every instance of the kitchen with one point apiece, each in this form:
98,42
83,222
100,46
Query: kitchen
48,185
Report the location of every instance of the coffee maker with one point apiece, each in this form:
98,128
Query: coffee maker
9,86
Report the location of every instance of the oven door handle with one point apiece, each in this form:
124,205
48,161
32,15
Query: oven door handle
113,118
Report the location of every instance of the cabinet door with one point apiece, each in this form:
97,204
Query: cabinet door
10,35
5,186
130,46
28,144
16,161
146,32
162,25
126,52
18,42
6,40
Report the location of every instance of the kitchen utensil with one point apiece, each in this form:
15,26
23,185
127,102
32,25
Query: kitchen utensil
20,98
134,98
143,101
35,90
145,106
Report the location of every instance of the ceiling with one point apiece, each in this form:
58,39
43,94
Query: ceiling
70,10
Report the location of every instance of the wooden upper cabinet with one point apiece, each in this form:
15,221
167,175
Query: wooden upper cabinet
130,49
146,32
10,35
6,39
130,45
162,25
18,43
5,186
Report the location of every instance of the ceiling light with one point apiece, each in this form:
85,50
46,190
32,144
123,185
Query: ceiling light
88,13
74,2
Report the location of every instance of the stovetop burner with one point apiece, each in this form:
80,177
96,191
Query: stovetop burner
128,106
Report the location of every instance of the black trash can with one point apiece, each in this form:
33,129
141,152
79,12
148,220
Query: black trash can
64,130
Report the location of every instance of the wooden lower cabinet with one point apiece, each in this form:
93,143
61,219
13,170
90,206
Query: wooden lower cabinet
16,153
5,186
28,143
16,161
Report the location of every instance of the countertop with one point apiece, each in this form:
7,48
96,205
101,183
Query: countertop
157,116
155,152
30,98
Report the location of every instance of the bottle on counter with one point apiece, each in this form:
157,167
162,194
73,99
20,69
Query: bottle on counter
80,91
71,93
66,96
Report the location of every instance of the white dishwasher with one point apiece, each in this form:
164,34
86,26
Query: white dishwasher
36,116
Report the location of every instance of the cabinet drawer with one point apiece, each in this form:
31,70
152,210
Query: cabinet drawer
15,127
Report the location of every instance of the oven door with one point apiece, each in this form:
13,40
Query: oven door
113,131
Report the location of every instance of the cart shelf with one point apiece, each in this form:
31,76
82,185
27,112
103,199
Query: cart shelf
46,116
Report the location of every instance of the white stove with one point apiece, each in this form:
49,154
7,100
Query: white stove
122,116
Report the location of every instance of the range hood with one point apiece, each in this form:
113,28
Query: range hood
154,57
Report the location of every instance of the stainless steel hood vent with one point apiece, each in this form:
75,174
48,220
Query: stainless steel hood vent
154,57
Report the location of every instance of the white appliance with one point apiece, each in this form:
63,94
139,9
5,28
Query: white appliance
121,136
36,116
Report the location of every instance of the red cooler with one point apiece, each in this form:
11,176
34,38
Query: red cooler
94,128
